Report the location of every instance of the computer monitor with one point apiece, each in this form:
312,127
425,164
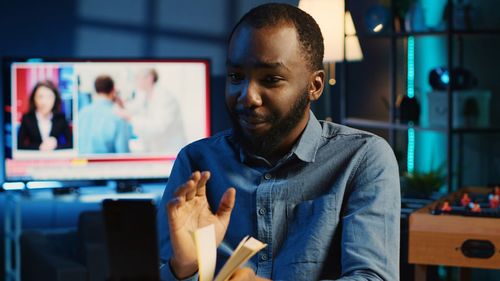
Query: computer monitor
57,127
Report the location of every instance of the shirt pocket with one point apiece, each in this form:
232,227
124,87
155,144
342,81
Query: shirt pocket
299,271
310,228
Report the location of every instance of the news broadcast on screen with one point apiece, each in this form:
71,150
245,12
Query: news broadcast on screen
102,119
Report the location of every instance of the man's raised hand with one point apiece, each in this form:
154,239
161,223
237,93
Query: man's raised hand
188,211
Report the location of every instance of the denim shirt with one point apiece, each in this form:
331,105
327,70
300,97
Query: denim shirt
329,210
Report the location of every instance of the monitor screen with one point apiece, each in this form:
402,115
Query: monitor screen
101,119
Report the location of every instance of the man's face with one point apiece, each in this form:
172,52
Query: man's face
267,87
145,80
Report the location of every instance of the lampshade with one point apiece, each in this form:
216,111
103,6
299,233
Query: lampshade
352,47
329,14
337,28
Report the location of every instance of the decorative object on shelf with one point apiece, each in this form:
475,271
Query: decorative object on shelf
400,8
471,109
378,19
463,79
434,10
409,110
414,19
464,15
439,78
470,112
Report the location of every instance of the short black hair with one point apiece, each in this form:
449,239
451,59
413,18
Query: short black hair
104,84
309,33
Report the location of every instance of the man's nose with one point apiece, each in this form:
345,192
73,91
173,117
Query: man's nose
250,95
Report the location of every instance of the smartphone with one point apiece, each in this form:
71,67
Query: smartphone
131,239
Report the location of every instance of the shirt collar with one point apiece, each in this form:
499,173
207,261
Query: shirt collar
41,118
305,148
102,100
309,141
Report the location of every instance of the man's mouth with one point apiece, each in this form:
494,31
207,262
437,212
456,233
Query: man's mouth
252,122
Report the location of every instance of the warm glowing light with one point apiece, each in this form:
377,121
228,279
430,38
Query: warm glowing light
349,24
329,14
378,28
352,47
339,32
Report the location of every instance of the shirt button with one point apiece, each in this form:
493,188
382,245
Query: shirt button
262,211
263,257
268,176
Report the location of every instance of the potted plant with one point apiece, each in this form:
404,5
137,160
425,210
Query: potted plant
423,184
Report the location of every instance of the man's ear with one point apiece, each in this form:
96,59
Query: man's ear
316,84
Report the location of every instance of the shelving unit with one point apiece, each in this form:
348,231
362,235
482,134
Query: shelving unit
367,123
478,32
12,233
392,125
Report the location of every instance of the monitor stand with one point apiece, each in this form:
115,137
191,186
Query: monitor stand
65,191
123,186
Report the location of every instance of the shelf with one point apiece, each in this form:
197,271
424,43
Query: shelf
400,34
475,32
483,31
367,123
476,130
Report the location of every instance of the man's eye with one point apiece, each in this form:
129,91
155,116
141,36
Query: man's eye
272,79
235,78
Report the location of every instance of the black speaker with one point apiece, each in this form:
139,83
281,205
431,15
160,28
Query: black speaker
439,79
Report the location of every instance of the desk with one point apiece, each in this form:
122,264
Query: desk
42,209
438,239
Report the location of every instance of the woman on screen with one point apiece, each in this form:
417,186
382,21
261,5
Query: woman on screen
44,127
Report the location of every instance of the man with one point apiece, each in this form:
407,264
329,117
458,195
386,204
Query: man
155,116
100,130
323,197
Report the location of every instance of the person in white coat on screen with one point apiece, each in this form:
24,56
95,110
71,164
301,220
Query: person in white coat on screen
155,117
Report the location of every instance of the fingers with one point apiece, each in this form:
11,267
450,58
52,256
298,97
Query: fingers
195,186
192,184
201,187
227,204
188,187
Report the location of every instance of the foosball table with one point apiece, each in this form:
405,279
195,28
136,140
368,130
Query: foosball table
461,229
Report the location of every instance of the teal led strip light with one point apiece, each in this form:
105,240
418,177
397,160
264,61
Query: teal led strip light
410,165
410,91
411,68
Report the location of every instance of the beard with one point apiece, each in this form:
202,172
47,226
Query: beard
265,145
